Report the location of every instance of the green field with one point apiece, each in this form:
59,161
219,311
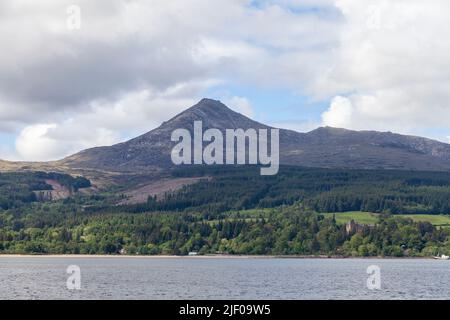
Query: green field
372,218
437,220
358,216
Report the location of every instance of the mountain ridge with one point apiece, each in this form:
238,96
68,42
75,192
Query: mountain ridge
324,147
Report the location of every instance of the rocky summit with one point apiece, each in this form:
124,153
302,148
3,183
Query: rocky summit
324,147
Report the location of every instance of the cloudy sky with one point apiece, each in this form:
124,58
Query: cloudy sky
81,73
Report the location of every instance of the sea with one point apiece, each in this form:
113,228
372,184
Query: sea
222,278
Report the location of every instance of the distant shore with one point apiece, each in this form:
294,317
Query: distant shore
211,256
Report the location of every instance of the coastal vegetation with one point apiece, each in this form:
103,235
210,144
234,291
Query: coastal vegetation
236,211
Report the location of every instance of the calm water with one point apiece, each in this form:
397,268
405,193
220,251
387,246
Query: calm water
197,278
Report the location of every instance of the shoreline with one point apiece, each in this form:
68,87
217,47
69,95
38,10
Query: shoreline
218,256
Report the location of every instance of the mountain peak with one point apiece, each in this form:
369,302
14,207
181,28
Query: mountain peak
213,114
208,106
324,147
206,102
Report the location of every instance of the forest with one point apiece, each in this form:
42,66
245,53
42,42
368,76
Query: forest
18,189
236,211
322,190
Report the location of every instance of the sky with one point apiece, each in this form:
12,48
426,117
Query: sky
81,73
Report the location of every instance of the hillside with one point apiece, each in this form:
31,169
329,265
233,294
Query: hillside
324,147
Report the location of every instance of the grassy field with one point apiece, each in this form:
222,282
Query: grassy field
358,216
437,220
371,218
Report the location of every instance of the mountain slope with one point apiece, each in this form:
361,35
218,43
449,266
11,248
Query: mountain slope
152,150
323,147
341,148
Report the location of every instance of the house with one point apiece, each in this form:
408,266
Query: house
352,227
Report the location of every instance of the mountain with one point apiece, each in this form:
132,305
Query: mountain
324,147
340,148
152,150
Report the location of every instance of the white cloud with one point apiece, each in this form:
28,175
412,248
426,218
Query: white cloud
393,63
132,114
134,63
339,114
34,143
52,141
239,104
383,65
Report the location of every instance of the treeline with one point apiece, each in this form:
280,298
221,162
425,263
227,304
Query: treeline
73,183
239,188
323,190
282,231
412,200
206,218
17,189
